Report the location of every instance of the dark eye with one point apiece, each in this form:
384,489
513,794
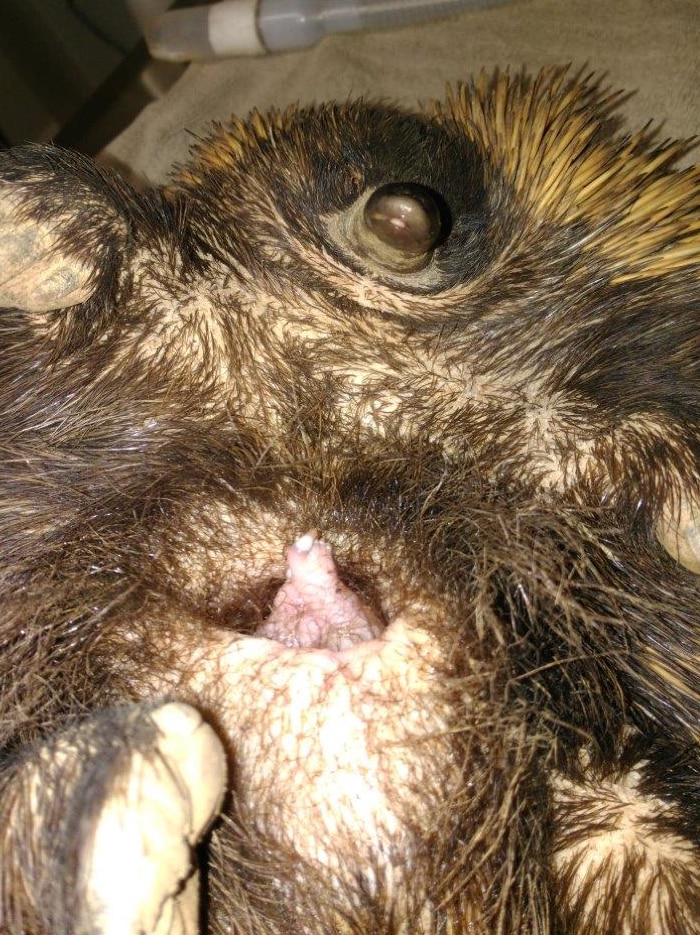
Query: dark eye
400,226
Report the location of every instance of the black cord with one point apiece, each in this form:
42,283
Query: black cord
94,28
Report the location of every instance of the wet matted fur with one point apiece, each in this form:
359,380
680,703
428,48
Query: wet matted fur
495,431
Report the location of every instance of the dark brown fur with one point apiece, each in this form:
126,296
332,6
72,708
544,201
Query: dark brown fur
499,438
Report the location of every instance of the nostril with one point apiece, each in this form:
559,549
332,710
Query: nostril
314,608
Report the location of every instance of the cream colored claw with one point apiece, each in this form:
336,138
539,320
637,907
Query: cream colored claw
678,531
141,876
34,273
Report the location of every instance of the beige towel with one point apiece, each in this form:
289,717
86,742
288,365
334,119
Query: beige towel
651,47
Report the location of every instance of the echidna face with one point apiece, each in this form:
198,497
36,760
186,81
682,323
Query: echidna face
513,250
360,437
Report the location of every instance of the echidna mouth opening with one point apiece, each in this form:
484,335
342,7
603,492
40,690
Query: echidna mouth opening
315,608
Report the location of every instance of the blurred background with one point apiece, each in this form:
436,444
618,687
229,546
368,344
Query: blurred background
78,73
73,71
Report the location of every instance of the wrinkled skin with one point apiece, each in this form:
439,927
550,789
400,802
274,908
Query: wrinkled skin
349,575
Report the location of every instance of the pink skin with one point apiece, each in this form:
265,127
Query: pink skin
323,706
314,609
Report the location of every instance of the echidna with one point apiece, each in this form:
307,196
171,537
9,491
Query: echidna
350,527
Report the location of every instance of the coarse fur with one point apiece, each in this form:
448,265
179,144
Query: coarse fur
492,445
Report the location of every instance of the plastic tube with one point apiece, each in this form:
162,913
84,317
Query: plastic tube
255,27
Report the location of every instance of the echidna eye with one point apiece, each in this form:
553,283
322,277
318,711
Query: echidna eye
400,225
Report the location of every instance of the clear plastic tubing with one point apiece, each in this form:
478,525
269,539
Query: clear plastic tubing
256,27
